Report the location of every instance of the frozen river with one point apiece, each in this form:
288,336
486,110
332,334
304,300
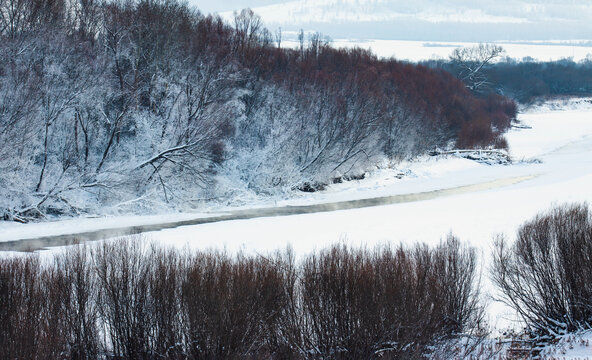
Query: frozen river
433,197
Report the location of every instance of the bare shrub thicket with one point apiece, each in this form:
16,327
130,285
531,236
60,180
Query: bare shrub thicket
21,308
48,311
386,303
546,276
128,299
233,306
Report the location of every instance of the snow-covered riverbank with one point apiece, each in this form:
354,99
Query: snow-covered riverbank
560,139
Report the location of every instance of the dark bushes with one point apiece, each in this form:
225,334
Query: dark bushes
124,274
233,306
547,274
128,300
359,304
48,311
21,309
527,80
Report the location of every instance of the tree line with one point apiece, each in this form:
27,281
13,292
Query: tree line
132,106
528,80
525,80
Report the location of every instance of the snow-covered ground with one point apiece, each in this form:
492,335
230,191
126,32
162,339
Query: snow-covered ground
570,347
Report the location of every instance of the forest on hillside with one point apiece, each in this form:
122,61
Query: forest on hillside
139,106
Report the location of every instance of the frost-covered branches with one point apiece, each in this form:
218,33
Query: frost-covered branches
150,102
472,63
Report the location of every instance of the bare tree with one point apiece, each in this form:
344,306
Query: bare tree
85,18
19,99
199,119
248,28
278,37
61,86
472,61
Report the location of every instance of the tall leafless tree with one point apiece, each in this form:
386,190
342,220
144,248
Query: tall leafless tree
472,63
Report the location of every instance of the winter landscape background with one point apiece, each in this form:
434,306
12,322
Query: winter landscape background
225,140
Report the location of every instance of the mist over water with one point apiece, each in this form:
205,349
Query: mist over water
64,240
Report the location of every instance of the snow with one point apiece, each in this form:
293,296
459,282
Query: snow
558,124
571,347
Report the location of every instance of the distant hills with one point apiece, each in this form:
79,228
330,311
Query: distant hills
448,20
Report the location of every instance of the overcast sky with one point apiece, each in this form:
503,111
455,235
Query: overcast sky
452,20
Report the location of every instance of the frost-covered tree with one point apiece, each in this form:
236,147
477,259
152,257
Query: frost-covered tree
135,106
472,62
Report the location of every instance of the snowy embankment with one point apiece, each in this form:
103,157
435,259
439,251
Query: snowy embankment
560,137
570,347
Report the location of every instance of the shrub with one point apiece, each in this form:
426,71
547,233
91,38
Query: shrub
360,304
546,276
21,308
128,299
233,306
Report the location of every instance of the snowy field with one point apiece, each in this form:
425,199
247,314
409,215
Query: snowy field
423,50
